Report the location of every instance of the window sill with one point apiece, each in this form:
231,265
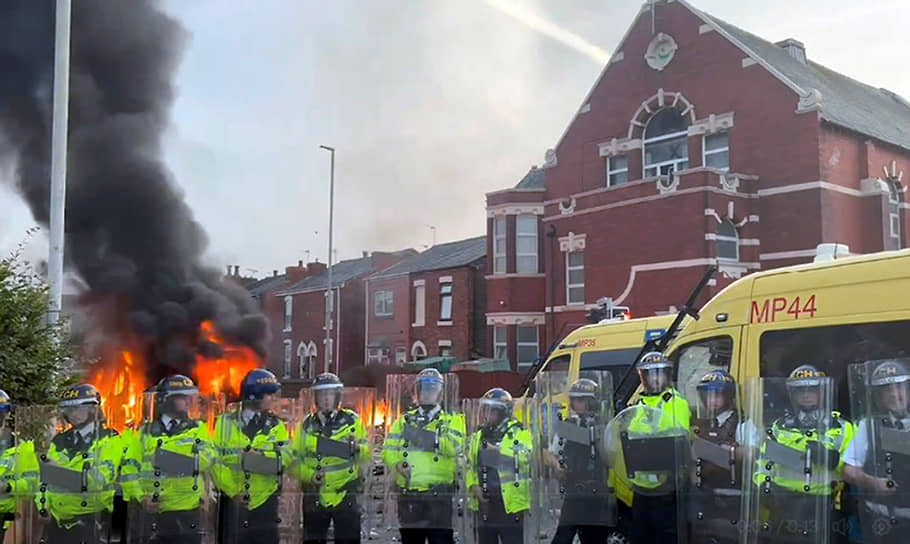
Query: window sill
418,324
286,330
443,323
383,316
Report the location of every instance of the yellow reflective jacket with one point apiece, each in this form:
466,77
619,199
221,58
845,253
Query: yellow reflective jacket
674,415
19,470
785,432
270,440
96,462
330,456
513,465
173,493
430,448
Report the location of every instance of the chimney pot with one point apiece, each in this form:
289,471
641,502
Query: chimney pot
794,48
300,263
237,270
274,273
228,270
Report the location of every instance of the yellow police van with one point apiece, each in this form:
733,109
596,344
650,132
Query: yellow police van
829,314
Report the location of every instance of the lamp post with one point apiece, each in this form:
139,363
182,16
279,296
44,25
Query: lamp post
329,299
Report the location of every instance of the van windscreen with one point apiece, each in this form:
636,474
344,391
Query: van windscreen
615,361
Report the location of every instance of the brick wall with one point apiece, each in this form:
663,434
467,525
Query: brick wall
391,331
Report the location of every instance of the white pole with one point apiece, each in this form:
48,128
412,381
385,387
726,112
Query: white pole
58,158
329,297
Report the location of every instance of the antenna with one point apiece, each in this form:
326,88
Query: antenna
433,229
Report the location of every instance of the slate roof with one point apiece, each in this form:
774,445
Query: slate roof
536,178
260,287
342,272
438,257
873,111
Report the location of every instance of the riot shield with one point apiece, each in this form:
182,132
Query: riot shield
253,446
791,441
73,474
574,473
422,456
332,459
19,473
167,470
880,400
713,495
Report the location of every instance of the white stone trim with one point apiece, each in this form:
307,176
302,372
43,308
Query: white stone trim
514,275
585,109
666,265
753,218
571,308
418,344
418,283
749,242
811,185
710,212
618,56
514,209
712,124
710,236
445,279
516,318
874,186
445,343
618,146
444,323
572,242
749,61
704,29
660,99
779,255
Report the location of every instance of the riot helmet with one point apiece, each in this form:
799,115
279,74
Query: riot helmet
327,390
655,372
6,406
583,396
495,407
805,386
716,394
428,388
79,404
174,394
258,389
890,383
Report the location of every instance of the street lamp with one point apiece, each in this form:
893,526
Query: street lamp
329,299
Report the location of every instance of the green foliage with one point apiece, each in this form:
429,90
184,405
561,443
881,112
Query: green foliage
32,352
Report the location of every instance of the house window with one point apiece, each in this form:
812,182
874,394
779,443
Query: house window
288,312
401,355
420,305
445,351
526,244
383,303
306,363
374,356
617,171
499,245
727,241
500,344
666,144
528,350
717,151
287,358
418,351
445,302
575,277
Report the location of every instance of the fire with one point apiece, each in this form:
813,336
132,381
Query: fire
223,375
120,378
379,414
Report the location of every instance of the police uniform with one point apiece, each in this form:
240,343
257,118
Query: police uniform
18,468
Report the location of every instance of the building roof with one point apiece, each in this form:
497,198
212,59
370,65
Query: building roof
536,178
843,101
439,257
264,285
342,272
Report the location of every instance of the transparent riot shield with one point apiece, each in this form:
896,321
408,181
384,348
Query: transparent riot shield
880,400
503,478
332,461
574,476
648,449
253,446
422,456
72,474
18,476
791,441
167,471
714,491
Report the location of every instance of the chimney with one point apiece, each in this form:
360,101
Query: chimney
365,254
228,270
794,48
293,274
237,270
274,273
316,268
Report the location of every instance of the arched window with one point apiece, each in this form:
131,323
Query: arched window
666,143
307,355
418,351
727,241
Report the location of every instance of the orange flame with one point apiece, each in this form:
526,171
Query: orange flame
120,378
380,412
224,374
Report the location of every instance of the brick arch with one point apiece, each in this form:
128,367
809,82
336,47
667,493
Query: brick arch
662,99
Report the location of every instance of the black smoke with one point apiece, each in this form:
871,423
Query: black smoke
129,234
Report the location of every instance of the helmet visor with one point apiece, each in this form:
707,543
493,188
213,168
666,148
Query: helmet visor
655,379
893,397
429,391
328,399
712,402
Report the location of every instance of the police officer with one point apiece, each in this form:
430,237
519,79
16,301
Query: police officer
883,476
331,452
166,466
499,472
582,470
89,447
422,451
716,493
809,424
250,443
654,511
18,467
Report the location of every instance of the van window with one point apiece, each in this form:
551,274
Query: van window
558,364
615,361
831,349
697,359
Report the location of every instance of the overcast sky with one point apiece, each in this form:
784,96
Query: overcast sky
430,104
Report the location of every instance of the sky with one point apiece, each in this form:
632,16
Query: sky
429,103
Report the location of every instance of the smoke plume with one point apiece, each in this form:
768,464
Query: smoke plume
129,234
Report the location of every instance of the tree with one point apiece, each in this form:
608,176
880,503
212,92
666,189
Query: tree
32,352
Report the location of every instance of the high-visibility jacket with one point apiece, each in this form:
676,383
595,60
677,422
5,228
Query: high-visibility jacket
19,470
270,439
787,432
674,415
512,466
97,460
430,448
330,456
173,493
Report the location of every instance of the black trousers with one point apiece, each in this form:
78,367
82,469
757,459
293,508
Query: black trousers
495,526
87,530
587,534
426,516
432,536
237,524
316,521
653,519
172,528
586,516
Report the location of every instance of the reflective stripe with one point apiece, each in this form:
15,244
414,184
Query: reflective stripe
129,477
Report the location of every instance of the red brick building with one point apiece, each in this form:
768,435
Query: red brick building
297,312
700,144
431,304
